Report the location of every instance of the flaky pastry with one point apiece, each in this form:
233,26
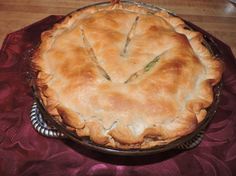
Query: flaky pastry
126,77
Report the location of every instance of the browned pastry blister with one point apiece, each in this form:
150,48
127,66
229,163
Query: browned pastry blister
125,77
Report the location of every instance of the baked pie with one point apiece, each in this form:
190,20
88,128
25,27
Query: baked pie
125,76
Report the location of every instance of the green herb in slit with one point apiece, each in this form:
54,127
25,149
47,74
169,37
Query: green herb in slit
132,77
93,56
145,69
129,36
151,64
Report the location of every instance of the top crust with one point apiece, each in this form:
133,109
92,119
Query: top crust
126,77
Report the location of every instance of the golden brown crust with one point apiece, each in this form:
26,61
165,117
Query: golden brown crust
125,77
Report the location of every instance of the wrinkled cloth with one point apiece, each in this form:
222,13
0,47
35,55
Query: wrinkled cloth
25,152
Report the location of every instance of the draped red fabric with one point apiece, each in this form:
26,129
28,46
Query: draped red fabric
25,152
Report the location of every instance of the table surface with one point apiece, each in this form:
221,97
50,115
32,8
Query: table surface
218,17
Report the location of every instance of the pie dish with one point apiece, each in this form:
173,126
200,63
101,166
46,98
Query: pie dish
125,76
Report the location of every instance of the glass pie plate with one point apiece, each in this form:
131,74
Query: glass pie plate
49,126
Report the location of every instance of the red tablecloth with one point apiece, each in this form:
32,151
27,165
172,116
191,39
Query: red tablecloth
25,152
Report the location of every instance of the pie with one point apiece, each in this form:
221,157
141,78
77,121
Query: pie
125,76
